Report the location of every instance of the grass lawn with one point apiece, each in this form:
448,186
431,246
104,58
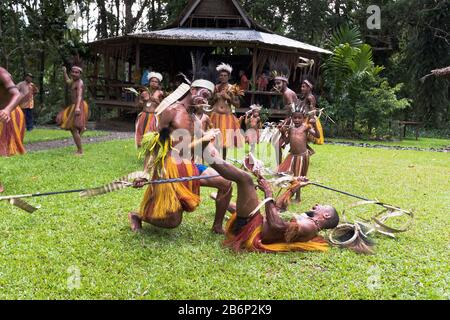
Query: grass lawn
407,142
42,253
39,135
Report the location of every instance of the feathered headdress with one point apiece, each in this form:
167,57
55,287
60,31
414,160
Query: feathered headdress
280,71
77,63
256,107
199,69
224,67
156,75
298,107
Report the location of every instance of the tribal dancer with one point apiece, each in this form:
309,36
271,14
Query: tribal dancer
290,98
225,99
253,126
249,230
75,116
149,99
297,162
12,120
169,155
309,106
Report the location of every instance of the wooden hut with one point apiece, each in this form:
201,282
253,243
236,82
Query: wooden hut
221,30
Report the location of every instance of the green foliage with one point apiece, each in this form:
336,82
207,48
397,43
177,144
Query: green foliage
345,34
359,98
264,115
379,104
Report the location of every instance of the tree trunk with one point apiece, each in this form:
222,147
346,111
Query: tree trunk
128,16
102,25
41,78
153,11
118,18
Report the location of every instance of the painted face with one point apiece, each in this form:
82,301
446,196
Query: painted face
200,96
154,83
224,77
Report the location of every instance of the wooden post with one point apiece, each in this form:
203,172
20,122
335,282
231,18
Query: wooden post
129,72
107,75
116,68
255,53
138,57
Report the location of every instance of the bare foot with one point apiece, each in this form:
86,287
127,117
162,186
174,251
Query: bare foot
218,230
1,188
135,222
79,153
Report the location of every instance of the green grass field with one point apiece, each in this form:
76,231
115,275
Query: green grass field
40,134
43,253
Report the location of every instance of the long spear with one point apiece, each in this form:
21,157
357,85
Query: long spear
14,199
343,192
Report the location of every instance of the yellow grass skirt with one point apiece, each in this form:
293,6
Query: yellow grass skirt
162,200
12,134
67,120
231,136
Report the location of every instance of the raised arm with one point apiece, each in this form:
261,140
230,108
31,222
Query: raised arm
273,225
66,77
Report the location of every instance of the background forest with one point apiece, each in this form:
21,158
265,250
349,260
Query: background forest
373,76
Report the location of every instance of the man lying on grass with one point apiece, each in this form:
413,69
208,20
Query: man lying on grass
249,230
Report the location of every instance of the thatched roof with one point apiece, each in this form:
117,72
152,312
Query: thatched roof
211,23
215,9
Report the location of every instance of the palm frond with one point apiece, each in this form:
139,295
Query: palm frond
346,34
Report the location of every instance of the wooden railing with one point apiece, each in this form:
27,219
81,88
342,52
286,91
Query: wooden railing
111,94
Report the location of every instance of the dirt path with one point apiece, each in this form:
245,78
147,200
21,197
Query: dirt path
381,146
116,135
46,145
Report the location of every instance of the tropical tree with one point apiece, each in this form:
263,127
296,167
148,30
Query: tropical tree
355,86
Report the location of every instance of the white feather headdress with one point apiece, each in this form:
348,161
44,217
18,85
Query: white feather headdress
156,75
224,67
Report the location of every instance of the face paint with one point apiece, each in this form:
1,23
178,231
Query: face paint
201,96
